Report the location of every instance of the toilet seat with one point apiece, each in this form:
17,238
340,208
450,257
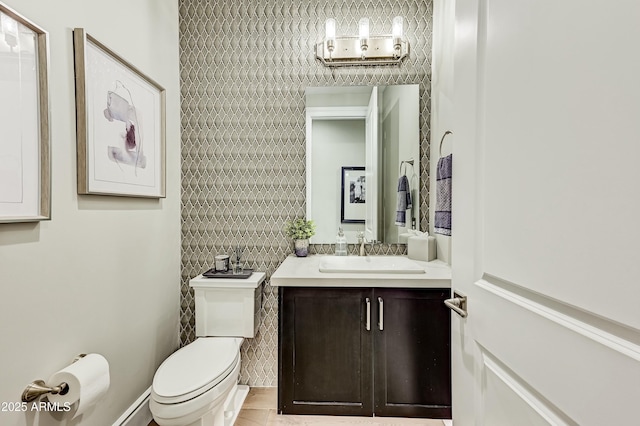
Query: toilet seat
195,369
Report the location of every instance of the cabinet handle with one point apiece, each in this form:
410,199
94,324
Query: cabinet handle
368,301
381,322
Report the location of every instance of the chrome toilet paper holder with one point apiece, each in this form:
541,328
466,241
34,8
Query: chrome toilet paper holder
37,388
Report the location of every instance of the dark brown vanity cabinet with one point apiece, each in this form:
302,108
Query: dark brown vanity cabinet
364,352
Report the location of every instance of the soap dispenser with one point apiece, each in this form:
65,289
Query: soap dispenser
341,243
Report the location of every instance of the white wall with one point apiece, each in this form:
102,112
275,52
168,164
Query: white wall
337,96
103,275
336,144
441,107
389,138
400,111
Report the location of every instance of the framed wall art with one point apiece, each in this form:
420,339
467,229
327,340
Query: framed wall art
353,195
120,124
25,171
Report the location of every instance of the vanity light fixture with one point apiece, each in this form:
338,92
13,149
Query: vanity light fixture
363,49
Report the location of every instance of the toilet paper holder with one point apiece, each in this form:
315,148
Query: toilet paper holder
37,388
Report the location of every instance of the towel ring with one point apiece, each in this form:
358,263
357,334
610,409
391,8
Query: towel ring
405,162
448,132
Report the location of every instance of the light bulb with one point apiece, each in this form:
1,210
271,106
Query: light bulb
330,33
396,32
397,27
363,31
330,29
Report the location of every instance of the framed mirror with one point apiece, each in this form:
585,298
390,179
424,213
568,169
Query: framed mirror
371,129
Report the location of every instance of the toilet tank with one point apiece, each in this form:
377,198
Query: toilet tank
228,306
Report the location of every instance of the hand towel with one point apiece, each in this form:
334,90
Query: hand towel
404,201
443,196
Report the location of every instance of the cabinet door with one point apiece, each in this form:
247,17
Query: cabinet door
412,363
325,352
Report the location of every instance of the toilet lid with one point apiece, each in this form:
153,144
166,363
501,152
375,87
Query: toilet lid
198,366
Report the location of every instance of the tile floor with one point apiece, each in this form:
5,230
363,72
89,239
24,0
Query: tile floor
259,409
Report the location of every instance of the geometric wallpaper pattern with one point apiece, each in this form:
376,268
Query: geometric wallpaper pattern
244,67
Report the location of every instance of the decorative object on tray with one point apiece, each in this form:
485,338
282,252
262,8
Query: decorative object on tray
237,261
221,263
212,273
300,230
120,124
25,172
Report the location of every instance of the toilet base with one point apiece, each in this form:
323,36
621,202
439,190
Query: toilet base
228,413
233,404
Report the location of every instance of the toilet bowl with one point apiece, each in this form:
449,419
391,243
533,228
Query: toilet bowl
196,385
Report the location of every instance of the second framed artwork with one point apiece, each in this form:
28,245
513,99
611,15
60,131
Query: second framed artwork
353,195
25,160
120,122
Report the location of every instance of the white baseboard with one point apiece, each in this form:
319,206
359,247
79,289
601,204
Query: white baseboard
138,414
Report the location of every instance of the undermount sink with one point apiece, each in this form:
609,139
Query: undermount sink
370,265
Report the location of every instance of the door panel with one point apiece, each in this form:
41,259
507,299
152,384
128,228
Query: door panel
564,129
326,352
545,213
412,354
579,369
508,397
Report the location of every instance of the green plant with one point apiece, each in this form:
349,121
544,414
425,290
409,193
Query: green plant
300,229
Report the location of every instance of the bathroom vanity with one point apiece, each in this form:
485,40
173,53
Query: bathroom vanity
364,343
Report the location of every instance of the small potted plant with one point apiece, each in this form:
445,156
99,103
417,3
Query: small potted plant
300,230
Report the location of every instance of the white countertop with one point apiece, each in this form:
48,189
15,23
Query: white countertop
304,272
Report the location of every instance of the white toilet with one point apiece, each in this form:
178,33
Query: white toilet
198,384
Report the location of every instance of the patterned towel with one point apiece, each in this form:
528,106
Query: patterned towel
404,201
443,196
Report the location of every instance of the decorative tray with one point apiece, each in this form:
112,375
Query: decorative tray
212,273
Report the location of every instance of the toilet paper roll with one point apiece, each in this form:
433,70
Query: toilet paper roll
88,380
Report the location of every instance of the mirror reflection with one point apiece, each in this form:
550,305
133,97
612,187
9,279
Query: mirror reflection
363,161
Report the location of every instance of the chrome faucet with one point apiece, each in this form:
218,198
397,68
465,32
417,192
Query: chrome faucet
362,242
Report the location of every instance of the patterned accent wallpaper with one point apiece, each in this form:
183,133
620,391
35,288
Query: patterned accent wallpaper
244,67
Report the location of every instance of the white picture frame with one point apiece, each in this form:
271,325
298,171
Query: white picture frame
25,165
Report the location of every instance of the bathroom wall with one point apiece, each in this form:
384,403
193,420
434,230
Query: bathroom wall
103,274
244,69
442,105
399,130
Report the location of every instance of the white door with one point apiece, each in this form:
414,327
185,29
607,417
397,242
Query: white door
371,168
546,212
